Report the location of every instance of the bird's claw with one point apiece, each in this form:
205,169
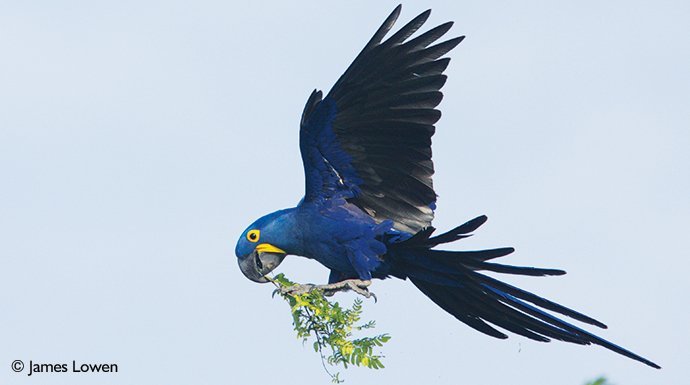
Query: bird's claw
357,285
296,289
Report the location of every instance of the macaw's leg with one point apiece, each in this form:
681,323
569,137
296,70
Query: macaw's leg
356,285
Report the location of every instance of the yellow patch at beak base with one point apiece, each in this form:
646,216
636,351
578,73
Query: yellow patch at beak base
265,247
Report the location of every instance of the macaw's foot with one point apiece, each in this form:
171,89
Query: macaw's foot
356,285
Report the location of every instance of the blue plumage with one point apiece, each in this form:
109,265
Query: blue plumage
369,197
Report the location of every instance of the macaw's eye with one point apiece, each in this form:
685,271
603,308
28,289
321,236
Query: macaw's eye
253,235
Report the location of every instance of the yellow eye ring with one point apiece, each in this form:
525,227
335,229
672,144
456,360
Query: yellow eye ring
253,235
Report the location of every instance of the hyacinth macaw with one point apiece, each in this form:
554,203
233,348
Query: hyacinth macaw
369,201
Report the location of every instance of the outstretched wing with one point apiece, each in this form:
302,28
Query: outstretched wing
369,139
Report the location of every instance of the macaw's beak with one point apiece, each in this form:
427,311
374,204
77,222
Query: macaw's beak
259,263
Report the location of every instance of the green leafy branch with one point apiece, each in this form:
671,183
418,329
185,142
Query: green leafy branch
332,327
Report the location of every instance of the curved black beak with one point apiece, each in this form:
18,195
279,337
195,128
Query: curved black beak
259,263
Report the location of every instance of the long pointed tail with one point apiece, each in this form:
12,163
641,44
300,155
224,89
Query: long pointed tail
451,279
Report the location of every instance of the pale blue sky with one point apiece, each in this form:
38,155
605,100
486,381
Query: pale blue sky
138,140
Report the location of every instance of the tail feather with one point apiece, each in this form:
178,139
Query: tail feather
487,308
450,300
476,260
470,256
586,336
451,280
537,300
423,238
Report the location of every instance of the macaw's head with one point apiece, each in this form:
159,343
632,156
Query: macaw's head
257,253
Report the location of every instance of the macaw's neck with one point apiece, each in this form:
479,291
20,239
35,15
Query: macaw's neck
283,230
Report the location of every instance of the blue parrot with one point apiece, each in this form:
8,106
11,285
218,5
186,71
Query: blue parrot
369,200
